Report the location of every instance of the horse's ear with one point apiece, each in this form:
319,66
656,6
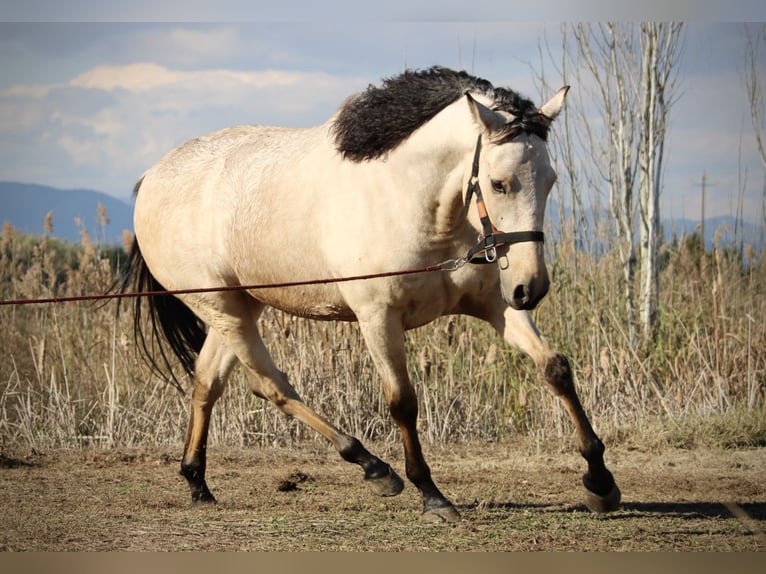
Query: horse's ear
485,117
553,106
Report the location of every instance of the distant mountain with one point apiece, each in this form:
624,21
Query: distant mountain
25,206
724,229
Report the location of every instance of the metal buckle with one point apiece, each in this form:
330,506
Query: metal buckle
490,254
452,264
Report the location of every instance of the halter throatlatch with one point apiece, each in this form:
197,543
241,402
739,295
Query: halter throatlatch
485,251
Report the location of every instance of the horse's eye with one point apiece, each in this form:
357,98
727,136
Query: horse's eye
498,186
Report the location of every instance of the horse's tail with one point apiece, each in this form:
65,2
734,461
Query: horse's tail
170,322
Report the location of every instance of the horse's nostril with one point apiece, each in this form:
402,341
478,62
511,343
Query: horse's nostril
521,294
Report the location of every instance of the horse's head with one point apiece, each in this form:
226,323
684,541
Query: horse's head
515,176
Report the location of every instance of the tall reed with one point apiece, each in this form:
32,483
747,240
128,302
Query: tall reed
70,376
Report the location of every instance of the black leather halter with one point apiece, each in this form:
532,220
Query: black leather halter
485,251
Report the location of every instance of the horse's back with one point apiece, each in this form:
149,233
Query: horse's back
225,157
236,207
201,183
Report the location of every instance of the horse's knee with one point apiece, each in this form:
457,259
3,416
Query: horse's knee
558,375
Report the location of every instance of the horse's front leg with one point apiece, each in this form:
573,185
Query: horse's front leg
518,329
384,336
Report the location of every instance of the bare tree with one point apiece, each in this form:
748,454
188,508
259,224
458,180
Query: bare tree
626,76
755,54
755,46
660,49
576,138
607,54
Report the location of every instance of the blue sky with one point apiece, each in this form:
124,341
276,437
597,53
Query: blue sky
94,104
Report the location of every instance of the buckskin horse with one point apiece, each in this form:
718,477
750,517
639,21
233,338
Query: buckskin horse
387,183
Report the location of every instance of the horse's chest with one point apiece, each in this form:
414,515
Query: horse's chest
426,302
419,311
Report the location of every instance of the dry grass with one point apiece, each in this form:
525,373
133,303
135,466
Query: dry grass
511,497
70,375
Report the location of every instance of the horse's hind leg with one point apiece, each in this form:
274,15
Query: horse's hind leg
268,382
212,369
602,493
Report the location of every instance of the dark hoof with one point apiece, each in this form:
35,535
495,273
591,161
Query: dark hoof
387,485
204,502
442,514
607,503
201,496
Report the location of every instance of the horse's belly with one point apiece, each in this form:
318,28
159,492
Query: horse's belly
312,302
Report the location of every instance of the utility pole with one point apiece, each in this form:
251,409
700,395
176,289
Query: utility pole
704,184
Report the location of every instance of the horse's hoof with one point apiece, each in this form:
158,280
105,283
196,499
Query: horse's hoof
442,514
202,497
387,485
204,502
607,503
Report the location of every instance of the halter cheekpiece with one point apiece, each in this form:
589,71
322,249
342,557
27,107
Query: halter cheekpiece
485,251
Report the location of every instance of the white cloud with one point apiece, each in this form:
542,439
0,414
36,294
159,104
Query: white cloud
110,123
221,85
134,77
218,42
24,91
192,46
83,151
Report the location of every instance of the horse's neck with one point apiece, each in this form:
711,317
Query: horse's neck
438,156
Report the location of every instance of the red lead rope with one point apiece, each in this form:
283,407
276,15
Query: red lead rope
448,265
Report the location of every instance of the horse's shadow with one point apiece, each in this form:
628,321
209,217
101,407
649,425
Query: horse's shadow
685,510
754,510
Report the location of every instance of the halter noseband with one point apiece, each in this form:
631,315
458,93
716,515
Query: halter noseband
485,251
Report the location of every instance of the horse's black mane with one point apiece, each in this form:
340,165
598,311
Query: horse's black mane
377,120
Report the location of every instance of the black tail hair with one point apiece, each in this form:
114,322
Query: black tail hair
172,324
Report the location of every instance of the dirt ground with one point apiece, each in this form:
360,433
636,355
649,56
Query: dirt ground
511,497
